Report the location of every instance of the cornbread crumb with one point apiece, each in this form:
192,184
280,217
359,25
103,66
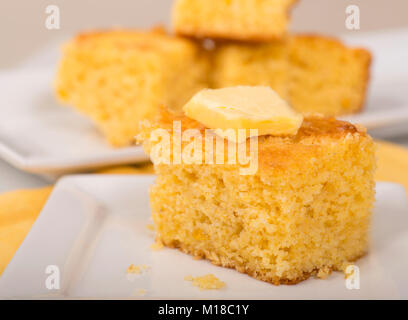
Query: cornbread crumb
141,292
207,282
150,227
158,245
133,269
145,267
250,20
138,269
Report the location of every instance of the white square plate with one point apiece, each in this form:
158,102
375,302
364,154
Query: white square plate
93,227
39,136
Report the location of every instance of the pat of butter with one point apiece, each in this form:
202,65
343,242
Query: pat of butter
243,107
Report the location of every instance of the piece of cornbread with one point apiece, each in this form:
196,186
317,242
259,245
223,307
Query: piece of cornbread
306,210
119,77
314,73
249,20
326,76
243,107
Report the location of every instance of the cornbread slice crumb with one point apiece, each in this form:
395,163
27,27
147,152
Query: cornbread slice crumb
249,20
120,77
207,282
189,278
150,227
158,245
307,208
133,272
137,269
141,292
133,269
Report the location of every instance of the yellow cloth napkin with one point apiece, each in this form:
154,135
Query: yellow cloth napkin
392,165
19,209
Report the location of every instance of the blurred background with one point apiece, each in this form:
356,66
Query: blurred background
22,29
26,42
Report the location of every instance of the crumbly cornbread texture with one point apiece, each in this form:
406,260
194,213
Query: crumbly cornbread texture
326,76
253,65
250,20
314,73
306,210
120,77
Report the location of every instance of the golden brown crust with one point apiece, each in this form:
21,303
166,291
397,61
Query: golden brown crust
279,152
155,39
200,254
313,125
231,35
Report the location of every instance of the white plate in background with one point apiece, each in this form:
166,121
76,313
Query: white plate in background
93,227
40,136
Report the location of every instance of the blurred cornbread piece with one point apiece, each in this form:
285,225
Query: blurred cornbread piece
119,77
314,73
326,76
306,209
253,65
249,20
243,107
